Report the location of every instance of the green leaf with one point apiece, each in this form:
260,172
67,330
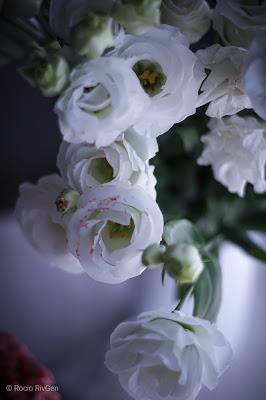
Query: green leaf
182,231
208,290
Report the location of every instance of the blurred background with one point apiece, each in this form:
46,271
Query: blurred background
66,320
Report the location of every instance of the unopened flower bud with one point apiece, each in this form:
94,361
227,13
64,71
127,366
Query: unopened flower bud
183,262
137,16
47,70
153,255
92,36
67,201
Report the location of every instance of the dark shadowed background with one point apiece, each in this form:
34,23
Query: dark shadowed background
65,320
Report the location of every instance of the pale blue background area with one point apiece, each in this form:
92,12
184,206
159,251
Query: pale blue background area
66,319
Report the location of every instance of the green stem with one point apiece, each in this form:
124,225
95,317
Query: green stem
183,299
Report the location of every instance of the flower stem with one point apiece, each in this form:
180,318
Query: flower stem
183,299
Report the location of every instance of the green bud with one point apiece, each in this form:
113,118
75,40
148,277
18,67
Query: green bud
47,70
153,255
183,262
92,36
137,16
67,201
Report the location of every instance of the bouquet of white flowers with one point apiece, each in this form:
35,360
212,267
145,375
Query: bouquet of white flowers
139,86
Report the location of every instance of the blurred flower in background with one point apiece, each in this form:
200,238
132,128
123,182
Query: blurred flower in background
19,367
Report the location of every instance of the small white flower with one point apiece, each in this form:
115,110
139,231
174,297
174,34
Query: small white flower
239,21
136,16
255,75
192,17
42,224
83,166
236,150
164,355
169,73
104,99
112,226
223,88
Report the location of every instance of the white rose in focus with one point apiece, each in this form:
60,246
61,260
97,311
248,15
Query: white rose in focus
169,73
104,99
112,226
191,17
255,75
236,150
164,355
43,226
238,22
223,88
83,166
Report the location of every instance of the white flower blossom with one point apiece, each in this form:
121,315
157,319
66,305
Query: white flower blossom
169,73
223,88
191,17
83,166
112,226
164,355
104,99
255,75
42,224
236,150
239,21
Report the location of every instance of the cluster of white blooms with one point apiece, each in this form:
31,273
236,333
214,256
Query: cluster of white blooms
236,150
235,147
103,213
166,355
99,214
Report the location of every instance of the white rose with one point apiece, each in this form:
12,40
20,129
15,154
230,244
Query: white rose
223,88
169,73
104,99
43,226
113,224
255,75
191,17
236,150
83,166
239,21
164,355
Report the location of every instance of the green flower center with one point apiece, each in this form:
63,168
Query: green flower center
117,236
101,170
151,76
